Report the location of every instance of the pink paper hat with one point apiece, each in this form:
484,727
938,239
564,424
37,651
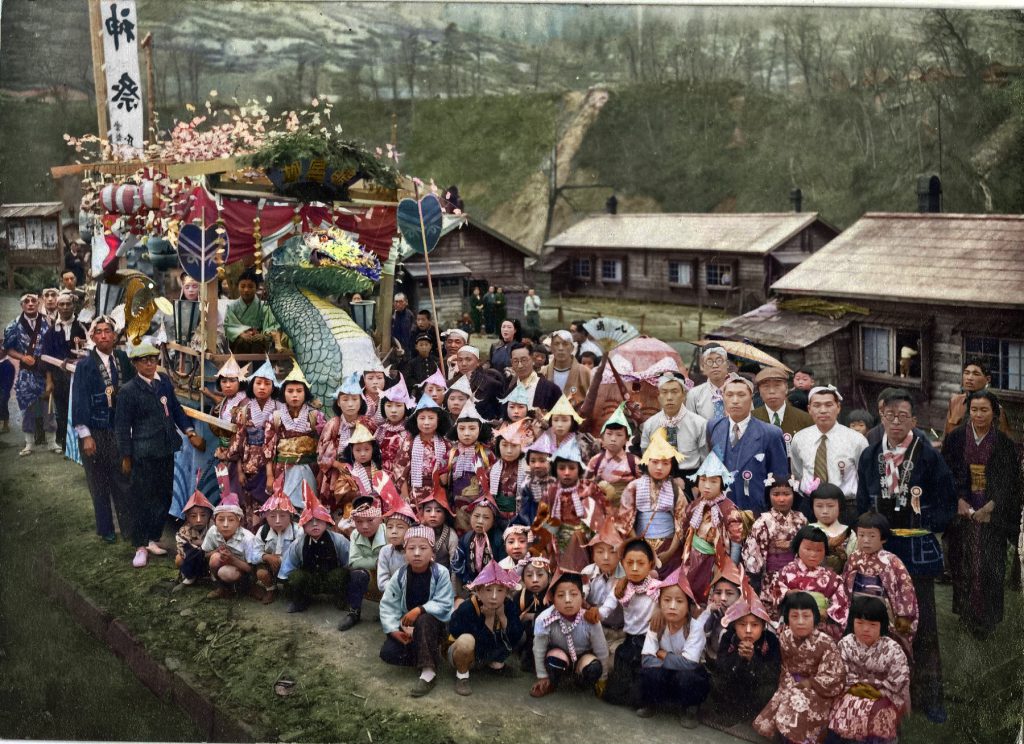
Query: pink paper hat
278,502
427,533
678,578
748,604
517,433
311,507
435,379
544,443
389,496
486,499
492,573
198,498
399,393
229,503
401,510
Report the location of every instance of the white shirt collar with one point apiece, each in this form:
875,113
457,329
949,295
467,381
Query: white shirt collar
771,413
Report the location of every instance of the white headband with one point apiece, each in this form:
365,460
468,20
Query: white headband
564,335
825,389
467,349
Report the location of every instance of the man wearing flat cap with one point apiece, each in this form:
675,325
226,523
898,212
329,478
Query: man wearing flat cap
773,385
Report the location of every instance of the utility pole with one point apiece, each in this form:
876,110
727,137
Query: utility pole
99,79
147,44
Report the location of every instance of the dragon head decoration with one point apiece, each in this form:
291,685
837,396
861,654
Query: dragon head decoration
303,272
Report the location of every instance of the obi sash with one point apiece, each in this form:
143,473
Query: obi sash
657,525
821,600
870,585
777,560
702,546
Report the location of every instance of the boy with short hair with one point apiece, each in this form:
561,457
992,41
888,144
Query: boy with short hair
366,541
231,550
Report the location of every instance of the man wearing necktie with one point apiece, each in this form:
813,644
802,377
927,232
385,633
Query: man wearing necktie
773,385
66,335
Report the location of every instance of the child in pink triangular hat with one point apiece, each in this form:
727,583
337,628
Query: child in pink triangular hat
435,386
394,439
275,536
189,556
231,550
486,628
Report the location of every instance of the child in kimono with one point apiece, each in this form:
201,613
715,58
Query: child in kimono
708,532
486,629
516,405
601,576
614,466
350,412
564,422
394,440
725,592
434,512
516,539
653,504
571,510
468,463
291,437
231,550
481,544
767,548
813,676
877,678
745,674
372,383
318,564
417,603
636,594
359,474
274,538
565,644
808,573
229,399
827,502
397,522
672,672
435,387
872,570
538,480
247,446
530,602
509,471
428,452
189,556
459,394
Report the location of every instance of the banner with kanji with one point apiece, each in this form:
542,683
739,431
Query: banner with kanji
124,86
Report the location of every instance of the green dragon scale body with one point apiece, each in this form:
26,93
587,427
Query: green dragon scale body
328,344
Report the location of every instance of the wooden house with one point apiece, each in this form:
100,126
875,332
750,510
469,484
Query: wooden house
30,236
720,260
902,300
473,256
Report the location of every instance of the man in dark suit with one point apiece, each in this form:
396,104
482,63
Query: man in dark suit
544,393
94,389
145,419
749,448
66,334
906,480
772,385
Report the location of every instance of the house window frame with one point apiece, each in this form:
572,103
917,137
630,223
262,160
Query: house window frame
719,266
997,374
577,262
620,273
921,381
680,285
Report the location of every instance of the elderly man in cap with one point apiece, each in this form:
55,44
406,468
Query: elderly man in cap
684,430
66,335
749,448
572,378
707,398
93,397
23,342
454,339
145,419
773,385
486,384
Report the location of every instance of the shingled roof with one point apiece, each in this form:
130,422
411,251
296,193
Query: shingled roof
948,259
750,233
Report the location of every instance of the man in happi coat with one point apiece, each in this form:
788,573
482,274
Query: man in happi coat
23,342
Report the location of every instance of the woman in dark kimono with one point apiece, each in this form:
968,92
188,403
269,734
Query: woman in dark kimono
986,474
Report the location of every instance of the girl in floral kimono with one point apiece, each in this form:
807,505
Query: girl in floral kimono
229,400
808,573
246,448
372,383
877,678
517,404
707,529
394,440
291,437
428,452
813,676
769,545
350,411
509,471
572,510
359,473
468,462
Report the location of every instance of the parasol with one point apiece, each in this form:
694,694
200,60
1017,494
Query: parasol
746,351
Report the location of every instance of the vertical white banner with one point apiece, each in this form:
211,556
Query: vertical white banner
124,85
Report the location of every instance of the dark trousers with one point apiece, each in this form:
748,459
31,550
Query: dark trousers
558,669
341,584
152,489
926,671
622,682
424,652
107,484
6,385
195,565
61,394
683,687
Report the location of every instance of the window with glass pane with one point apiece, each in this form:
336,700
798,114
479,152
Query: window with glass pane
875,343
680,274
1003,357
718,275
611,270
581,268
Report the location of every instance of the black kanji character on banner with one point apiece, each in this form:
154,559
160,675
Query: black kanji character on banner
116,28
126,93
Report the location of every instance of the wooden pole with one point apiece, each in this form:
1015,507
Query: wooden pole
430,281
386,293
99,79
147,44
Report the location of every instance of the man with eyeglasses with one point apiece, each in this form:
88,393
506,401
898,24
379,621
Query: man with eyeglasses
707,398
906,480
828,451
543,393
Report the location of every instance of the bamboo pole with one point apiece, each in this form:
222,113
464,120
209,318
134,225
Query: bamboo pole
147,44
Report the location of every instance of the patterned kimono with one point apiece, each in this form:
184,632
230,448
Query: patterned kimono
842,541
574,515
374,410
465,466
802,715
612,476
425,460
30,382
291,445
822,583
703,526
504,480
651,511
395,452
883,575
332,444
884,667
228,411
760,552
246,448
